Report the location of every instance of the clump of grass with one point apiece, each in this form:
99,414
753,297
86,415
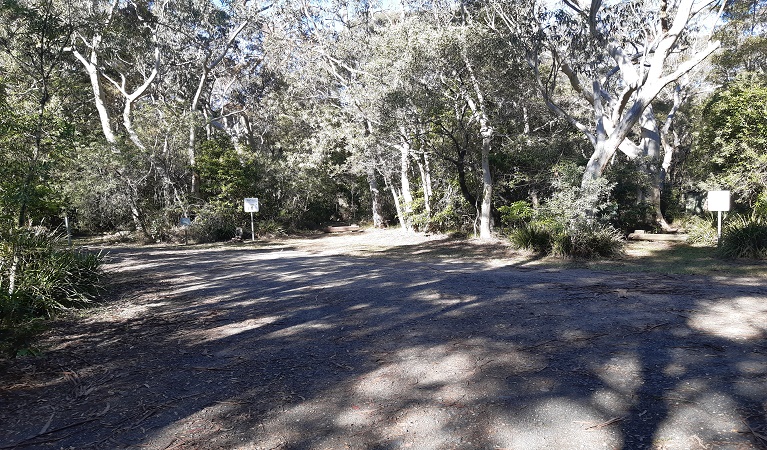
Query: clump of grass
583,240
39,277
536,236
744,237
700,231
590,241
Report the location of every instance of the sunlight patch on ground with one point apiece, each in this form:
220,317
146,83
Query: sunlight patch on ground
438,298
424,427
734,319
298,329
419,367
231,329
130,312
622,373
556,423
691,421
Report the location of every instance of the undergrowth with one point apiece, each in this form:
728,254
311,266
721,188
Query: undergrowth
39,277
744,237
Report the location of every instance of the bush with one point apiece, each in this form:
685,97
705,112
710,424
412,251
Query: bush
581,241
589,241
39,277
268,227
744,237
700,231
537,236
216,221
516,214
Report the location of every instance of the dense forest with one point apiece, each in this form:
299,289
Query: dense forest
444,116
561,125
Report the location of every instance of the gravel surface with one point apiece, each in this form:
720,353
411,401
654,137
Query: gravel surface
342,342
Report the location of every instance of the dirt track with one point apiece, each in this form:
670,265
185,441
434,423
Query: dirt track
319,344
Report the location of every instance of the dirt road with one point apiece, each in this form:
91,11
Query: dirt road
319,344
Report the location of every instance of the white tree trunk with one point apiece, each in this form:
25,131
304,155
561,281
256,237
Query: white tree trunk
398,205
375,198
407,195
486,218
91,68
487,133
423,168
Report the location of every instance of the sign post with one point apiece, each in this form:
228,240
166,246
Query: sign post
251,206
185,222
719,201
69,232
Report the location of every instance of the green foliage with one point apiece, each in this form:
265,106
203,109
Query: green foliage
732,141
448,214
224,174
100,199
39,277
536,236
744,237
516,214
573,223
589,240
572,204
700,231
584,240
268,228
631,186
216,221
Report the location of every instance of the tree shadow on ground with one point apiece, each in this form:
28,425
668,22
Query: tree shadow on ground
223,348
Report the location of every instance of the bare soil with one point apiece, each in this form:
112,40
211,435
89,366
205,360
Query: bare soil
383,340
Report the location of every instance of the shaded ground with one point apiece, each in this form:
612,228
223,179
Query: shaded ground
383,341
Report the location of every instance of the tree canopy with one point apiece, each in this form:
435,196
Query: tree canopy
432,115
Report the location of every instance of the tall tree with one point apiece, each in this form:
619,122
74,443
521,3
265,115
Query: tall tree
33,38
616,58
743,40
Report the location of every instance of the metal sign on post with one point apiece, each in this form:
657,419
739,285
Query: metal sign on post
251,206
719,201
185,222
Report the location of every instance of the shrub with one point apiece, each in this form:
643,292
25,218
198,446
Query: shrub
583,240
589,241
700,231
537,236
268,227
216,221
39,277
744,237
516,214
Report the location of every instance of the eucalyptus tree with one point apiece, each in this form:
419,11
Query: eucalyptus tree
213,46
744,40
117,45
479,76
616,58
730,143
328,56
33,40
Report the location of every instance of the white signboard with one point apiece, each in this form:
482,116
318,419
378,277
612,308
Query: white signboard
718,200
251,205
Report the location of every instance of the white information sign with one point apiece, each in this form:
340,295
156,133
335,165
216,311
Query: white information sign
718,200
251,205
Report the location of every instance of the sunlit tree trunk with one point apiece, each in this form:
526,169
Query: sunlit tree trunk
375,197
487,133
